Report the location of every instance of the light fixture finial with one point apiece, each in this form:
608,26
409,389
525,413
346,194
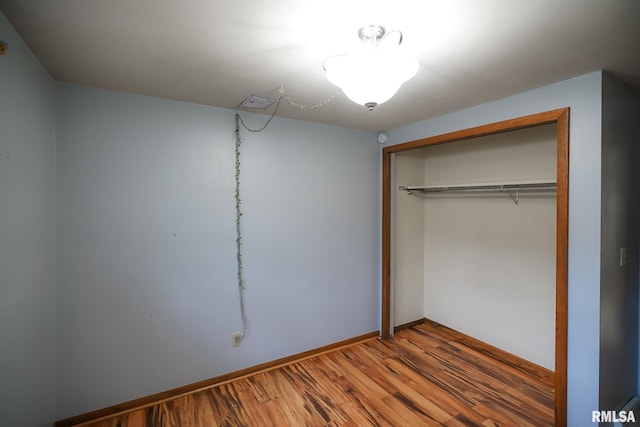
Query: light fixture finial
371,33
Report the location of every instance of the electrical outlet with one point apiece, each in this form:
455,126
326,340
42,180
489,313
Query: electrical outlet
236,339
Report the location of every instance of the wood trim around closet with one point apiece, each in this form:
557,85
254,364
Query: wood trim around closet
561,118
562,267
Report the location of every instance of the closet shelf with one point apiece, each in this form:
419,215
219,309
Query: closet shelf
512,189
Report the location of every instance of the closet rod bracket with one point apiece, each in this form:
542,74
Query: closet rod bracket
515,198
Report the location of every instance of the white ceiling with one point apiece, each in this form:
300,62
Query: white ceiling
218,52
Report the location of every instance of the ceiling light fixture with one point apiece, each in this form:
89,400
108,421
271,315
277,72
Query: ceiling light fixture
373,74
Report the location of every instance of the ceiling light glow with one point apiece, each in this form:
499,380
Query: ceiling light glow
374,73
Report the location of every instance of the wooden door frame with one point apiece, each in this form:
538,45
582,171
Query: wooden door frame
561,118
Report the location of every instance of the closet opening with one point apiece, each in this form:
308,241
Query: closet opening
478,234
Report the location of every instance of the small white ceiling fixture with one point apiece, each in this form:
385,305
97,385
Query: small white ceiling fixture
255,101
374,73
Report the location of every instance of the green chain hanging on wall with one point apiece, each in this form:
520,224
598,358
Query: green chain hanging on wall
239,228
238,199
241,285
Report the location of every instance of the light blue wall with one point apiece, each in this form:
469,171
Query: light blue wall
27,237
583,94
147,294
619,285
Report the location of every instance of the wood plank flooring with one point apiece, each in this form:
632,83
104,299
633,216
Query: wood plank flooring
425,376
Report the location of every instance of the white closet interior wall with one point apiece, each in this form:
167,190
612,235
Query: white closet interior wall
408,253
479,263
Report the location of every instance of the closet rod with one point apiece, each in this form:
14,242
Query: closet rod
538,186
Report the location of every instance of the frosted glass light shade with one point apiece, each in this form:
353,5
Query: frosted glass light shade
370,76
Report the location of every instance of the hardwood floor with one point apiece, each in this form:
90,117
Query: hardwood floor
425,376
